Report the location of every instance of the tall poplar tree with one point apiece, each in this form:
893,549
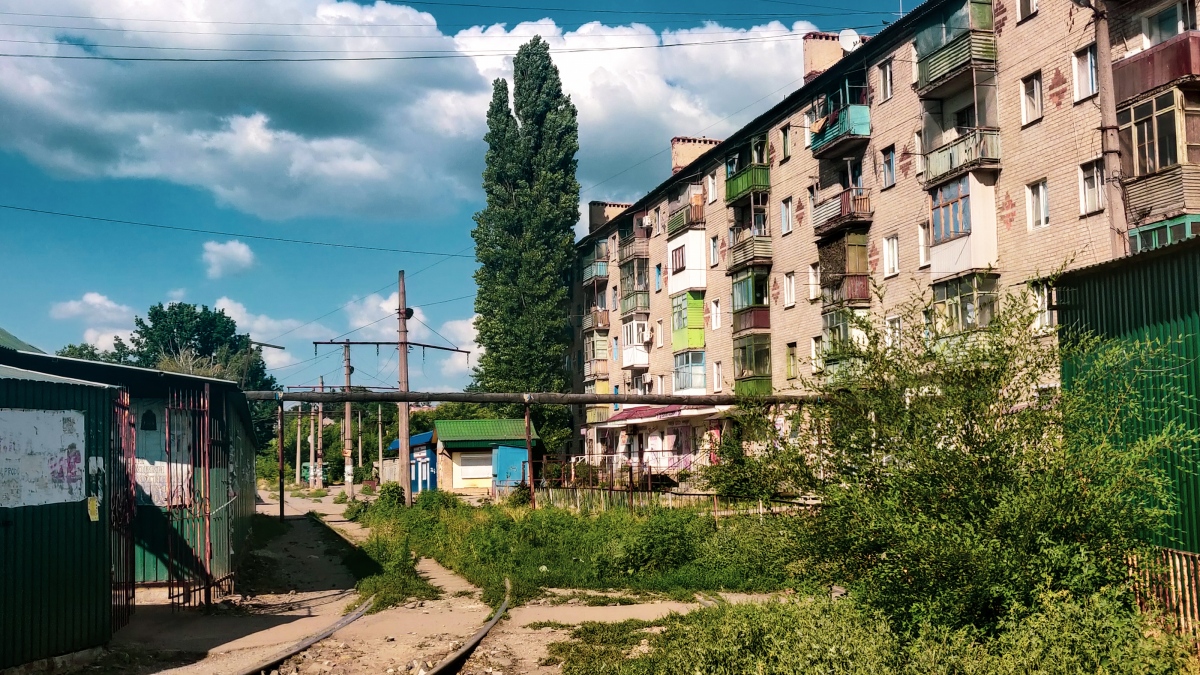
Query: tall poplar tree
524,238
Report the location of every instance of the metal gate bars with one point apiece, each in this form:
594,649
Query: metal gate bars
122,502
189,493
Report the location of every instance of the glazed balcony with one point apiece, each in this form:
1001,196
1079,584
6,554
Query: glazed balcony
750,250
844,131
598,413
973,48
597,319
595,270
633,246
752,318
595,369
848,207
686,218
1157,66
852,288
752,178
975,149
635,301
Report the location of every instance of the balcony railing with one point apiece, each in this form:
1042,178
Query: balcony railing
637,301
852,205
752,386
851,123
1157,66
972,47
852,288
596,270
595,368
598,413
691,215
750,249
753,317
597,319
974,148
633,247
752,178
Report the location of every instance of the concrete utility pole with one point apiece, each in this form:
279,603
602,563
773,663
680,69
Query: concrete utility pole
347,430
1114,195
379,419
312,446
299,419
279,447
360,462
320,479
402,358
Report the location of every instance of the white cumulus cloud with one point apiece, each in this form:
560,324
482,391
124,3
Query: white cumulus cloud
375,318
105,338
462,333
228,258
262,327
93,308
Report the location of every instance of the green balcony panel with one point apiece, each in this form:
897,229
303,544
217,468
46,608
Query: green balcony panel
690,335
753,386
753,178
970,47
851,122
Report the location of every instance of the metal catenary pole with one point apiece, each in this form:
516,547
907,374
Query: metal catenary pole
279,443
299,419
347,431
402,359
312,445
379,466
319,481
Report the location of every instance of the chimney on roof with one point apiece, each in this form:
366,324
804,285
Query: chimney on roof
599,213
821,51
685,150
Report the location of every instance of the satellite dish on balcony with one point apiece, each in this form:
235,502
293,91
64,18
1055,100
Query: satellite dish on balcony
849,39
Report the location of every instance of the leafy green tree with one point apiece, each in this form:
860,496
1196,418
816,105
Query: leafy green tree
422,420
524,237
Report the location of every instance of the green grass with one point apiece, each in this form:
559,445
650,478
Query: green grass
319,493
556,625
672,552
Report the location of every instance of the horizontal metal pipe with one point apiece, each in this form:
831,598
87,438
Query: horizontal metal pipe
540,397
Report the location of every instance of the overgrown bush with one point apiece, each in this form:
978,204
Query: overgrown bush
391,495
341,497
367,489
521,495
354,510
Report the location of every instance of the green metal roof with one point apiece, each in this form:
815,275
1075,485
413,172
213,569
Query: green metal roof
488,431
11,341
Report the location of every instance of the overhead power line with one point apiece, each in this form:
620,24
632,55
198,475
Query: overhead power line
244,235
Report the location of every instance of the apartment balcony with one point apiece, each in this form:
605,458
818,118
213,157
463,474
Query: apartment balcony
1157,66
597,319
1167,193
691,215
594,271
635,357
852,288
595,369
633,247
975,149
973,48
753,386
752,318
844,131
635,301
597,414
752,178
750,250
848,207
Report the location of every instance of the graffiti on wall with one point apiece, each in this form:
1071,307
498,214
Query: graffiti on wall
41,457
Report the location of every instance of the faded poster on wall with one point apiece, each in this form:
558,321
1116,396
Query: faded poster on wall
41,457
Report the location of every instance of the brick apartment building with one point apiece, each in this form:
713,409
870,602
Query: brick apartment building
958,151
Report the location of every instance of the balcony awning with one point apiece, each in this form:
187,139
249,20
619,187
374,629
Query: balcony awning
658,413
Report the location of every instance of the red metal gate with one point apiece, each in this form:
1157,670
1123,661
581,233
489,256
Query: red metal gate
189,504
122,479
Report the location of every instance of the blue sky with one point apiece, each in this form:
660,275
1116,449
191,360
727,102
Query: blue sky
370,153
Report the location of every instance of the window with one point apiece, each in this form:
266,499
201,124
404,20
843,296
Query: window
1148,141
717,381
891,334
732,164
964,304
716,314
658,335
758,150
616,390
660,225
951,213
789,289
885,79
964,119
1161,234
714,251
835,328
615,298
1031,98
149,421
1043,298
473,465
791,361
689,371
785,216
812,200
615,347
1163,26
678,260
1026,9
679,312
750,289
816,354
752,357
891,256
658,277
711,186
922,244
1091,187
1038,206
660,383
814,281
889,166
808,122
1086,79
919,151
785,140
